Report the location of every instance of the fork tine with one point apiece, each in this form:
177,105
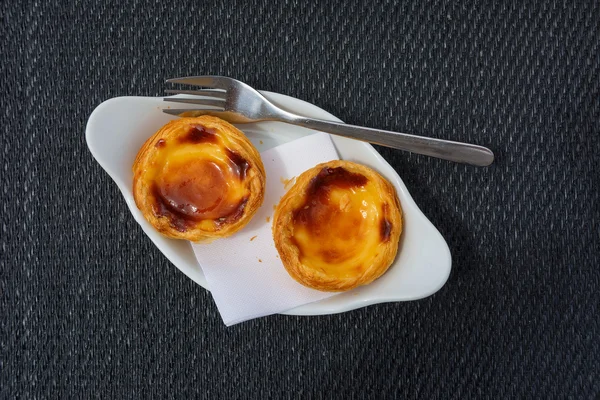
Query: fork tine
218,82
202,102
188,112
229,116
207,92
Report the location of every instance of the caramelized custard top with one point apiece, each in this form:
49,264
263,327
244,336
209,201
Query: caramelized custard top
342,222
197,179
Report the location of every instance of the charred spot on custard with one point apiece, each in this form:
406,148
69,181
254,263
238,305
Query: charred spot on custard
385,226
337,177
162,208
233,216
199,134
318,191
180,220
240,165
385,230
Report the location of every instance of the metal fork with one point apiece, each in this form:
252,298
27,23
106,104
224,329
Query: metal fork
236,102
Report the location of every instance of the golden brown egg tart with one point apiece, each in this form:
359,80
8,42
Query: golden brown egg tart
198,178
338,227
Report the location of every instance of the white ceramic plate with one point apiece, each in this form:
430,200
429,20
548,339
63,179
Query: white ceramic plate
118,127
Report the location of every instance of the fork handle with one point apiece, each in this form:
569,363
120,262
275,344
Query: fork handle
445,149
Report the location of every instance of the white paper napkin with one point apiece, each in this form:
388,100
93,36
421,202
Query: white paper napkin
244,272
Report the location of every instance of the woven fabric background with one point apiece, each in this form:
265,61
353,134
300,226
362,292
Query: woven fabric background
90,308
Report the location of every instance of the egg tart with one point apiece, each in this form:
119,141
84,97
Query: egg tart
338,227
198,178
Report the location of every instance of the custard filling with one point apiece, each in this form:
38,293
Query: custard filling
198,181
341,225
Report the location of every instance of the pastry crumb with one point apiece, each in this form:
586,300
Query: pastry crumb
253,237
268,219
261,142
287,182
259,260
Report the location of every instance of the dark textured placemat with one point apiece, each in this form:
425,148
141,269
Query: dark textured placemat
89,308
